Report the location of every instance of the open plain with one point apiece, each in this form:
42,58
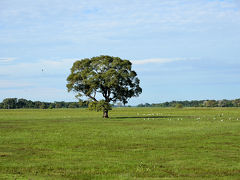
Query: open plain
134,143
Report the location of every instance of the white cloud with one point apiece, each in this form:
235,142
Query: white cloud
4,84
157,60
38,94
42,67
9,59
59,68
80,20
36,80
56,64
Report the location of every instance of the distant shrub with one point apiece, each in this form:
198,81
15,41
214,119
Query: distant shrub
43,106
178,105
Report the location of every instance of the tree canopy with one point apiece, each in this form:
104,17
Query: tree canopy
109,76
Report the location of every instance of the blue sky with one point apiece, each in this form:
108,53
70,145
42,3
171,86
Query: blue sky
181,49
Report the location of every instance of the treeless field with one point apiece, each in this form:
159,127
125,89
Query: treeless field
134,143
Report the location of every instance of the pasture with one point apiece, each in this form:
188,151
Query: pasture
134,143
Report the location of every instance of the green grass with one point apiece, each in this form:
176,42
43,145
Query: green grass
135,143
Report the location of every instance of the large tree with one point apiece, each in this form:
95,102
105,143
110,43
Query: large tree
109,76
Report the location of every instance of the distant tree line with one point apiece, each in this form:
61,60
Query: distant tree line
14,103
196,103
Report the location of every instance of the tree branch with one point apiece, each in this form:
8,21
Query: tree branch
93,98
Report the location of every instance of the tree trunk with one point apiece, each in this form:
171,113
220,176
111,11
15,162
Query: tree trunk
105,113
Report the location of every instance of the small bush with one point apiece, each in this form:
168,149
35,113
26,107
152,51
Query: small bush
178,106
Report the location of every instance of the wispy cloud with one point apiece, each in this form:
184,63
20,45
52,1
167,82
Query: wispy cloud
80,20
36,80
9,59
12,84
41,67
137,29
158,60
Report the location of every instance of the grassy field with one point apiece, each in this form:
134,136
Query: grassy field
135,143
